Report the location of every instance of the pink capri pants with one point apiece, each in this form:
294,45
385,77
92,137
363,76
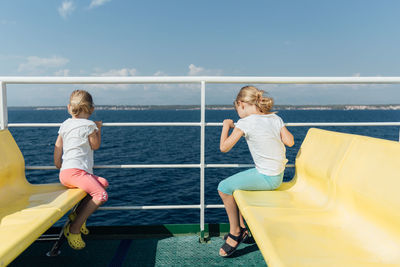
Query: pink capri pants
90,183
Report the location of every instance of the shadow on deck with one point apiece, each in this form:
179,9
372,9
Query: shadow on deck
120,247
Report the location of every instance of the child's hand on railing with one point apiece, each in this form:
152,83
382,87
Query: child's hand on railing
228,123
99,124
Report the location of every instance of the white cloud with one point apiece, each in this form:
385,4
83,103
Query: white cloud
39,65
124,72
66,9
96,3
196,71
64,72
160,73
193,70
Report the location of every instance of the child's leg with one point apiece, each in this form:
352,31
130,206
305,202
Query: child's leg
233,216
88,197
232,212
249,180
84,213
83,203
241,220
226,188
225,191
91,184
246,180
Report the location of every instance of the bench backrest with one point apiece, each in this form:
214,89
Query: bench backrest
354,172
12,165
318,161
369,180
26,210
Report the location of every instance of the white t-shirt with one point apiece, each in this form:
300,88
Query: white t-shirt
77,152
263,136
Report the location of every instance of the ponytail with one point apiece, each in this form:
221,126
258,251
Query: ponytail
81,102
254,96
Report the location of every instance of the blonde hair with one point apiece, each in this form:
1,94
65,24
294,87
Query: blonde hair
81,101
254,96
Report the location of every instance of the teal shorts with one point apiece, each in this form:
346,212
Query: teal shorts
250,180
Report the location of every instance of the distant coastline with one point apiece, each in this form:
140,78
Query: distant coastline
222,107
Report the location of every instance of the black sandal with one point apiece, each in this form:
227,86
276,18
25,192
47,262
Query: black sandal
247,239
229,250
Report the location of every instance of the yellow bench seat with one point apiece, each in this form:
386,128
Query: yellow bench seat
341,209
26,210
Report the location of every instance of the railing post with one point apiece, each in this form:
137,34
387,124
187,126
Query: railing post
3,106
202,159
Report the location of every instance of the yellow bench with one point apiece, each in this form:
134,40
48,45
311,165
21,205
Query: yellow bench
26,210
341,209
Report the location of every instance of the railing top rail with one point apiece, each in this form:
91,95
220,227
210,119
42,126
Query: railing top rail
197,79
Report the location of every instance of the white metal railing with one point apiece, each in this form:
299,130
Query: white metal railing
201,80
290,124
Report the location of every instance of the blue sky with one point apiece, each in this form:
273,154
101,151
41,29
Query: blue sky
180,38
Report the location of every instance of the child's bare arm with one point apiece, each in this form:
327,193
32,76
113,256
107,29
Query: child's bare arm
58,149
287,137
95,137
228,141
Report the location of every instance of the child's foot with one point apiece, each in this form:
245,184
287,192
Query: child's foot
74,240
246,238
231,244
84,229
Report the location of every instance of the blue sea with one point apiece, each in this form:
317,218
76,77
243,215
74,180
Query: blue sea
169,145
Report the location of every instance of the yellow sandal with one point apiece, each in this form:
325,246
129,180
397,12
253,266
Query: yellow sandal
84,229
75,241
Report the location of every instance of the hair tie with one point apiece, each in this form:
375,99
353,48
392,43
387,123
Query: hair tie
259,96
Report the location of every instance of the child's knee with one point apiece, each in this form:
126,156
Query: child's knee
223,187
100,197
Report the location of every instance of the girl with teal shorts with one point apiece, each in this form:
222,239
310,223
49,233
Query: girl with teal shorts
266,136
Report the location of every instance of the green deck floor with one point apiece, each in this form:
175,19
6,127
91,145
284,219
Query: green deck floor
182,250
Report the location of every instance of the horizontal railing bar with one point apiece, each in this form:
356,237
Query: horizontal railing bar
198,79
237,165
163,207
298,124
156,166
214,206
144,166
134,124
229,165
110,124
152,124
127,166
34,125
151,207
40,167
294,124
